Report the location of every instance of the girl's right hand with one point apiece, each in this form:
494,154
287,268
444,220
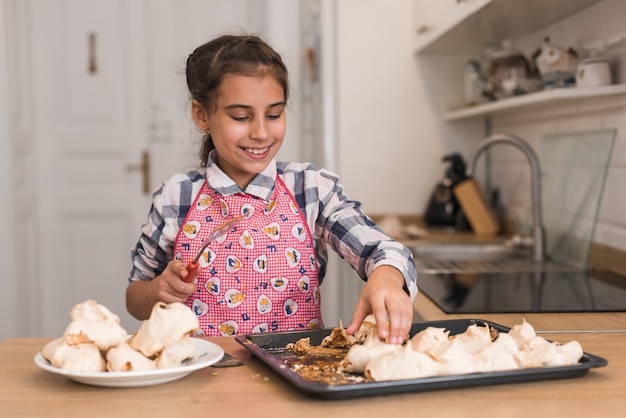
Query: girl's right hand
170,286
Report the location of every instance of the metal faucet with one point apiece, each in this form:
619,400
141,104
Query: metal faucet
535,171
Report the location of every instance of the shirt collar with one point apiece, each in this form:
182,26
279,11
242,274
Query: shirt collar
261,186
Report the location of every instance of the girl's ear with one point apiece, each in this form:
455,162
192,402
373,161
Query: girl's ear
199,115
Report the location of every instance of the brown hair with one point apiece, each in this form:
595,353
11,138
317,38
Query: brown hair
246,55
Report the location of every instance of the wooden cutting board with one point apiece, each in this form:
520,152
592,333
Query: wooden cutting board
480,216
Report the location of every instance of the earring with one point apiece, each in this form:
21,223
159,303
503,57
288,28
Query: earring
206,135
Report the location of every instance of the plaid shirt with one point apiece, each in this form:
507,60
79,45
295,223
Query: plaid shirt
332,218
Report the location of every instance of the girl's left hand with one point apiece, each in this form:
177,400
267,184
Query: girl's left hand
384,297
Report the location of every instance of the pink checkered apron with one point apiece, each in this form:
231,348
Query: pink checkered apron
262,275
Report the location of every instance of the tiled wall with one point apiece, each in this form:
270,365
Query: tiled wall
603,20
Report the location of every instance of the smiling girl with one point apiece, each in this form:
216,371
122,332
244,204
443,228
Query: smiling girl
264,275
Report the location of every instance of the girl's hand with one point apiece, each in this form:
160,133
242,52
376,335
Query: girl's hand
170,286
384,297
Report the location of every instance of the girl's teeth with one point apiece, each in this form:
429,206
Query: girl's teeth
255,151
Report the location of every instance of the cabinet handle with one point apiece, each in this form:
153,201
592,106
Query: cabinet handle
423,29
144,167
92,67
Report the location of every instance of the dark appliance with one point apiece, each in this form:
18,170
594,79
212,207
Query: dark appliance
443,208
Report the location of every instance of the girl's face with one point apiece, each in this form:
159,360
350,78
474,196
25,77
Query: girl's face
247,125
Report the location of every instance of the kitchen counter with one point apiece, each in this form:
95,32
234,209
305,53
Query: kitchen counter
254,389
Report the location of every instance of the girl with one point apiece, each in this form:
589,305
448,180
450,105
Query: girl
264,274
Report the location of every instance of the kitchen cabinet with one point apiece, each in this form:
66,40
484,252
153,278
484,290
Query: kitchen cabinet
433,18
471,25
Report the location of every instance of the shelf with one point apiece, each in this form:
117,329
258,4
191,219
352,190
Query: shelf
533,99
498,20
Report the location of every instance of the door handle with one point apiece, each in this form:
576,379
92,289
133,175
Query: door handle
144,167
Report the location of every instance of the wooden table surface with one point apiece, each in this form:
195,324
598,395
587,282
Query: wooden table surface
255,390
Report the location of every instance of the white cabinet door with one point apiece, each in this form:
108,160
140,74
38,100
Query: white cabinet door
432,18
429,17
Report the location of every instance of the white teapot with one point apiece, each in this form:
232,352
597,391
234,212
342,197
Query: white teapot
556,65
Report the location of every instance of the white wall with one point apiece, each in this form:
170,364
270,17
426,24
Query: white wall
391,138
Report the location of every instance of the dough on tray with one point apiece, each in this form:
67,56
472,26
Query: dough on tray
360,355
402,363
428,338
498,356
522,333
479,349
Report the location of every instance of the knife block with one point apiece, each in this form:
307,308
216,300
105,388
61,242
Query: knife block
481,218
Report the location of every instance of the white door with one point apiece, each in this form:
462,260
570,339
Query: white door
109,86
90,87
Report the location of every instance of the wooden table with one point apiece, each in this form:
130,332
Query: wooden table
255,390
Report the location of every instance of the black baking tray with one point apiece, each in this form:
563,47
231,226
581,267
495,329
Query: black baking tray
270,348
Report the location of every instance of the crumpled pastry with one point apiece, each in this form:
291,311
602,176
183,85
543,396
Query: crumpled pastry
522,333
428,338
475,338
539,352
403,363
471,351
104,334
338,338
360,355
78,357
498,356
90,310
124,358
453,358
174,354
94,341
167,324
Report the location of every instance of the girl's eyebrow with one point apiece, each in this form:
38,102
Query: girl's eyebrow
242,106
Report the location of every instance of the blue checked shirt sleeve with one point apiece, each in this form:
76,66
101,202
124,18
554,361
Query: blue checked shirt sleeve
341,222
170,204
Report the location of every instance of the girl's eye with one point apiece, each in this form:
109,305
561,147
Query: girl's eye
240,118
274,117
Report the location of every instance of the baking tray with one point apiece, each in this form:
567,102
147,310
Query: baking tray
270,348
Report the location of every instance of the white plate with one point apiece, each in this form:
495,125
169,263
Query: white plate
206,354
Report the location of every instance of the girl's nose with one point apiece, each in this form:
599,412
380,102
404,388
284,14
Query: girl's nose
259,129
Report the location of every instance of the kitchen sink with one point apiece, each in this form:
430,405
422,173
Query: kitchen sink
438,258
